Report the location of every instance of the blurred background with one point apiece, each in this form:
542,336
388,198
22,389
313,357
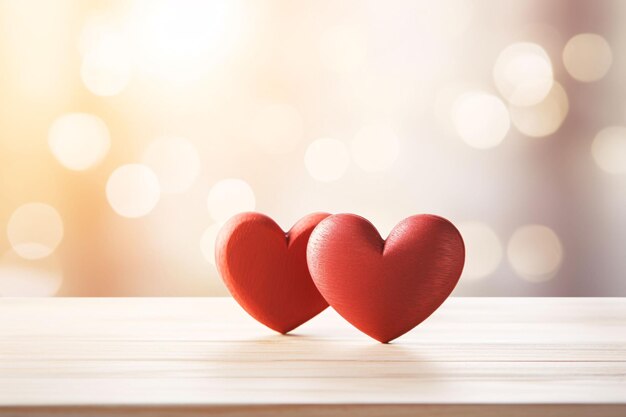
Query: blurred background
131,130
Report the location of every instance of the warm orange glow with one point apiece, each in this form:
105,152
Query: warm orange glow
131,131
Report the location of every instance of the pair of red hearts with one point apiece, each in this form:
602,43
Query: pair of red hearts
383,287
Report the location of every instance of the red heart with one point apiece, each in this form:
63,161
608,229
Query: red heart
265,269
385,288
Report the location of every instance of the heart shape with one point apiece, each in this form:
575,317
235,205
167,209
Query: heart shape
265,269
385,288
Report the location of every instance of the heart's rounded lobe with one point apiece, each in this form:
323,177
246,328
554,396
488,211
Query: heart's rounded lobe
385,288
265,269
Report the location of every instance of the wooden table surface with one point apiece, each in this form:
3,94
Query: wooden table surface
199,356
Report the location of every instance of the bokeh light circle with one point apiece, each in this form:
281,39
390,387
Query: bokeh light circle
229,197
277,128
175,161
375,148
587,57
106,67
544,118
327,159
35,230
79,140
483,250
133,190
180,41
523,73
207,242
480,119
609,149
535,252
29,278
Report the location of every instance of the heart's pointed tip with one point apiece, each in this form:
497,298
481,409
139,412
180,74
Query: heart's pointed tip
385,340
282,330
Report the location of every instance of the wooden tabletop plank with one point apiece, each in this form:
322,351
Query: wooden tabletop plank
118,356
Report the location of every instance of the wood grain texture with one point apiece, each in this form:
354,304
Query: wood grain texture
191,357
385,287
265,269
